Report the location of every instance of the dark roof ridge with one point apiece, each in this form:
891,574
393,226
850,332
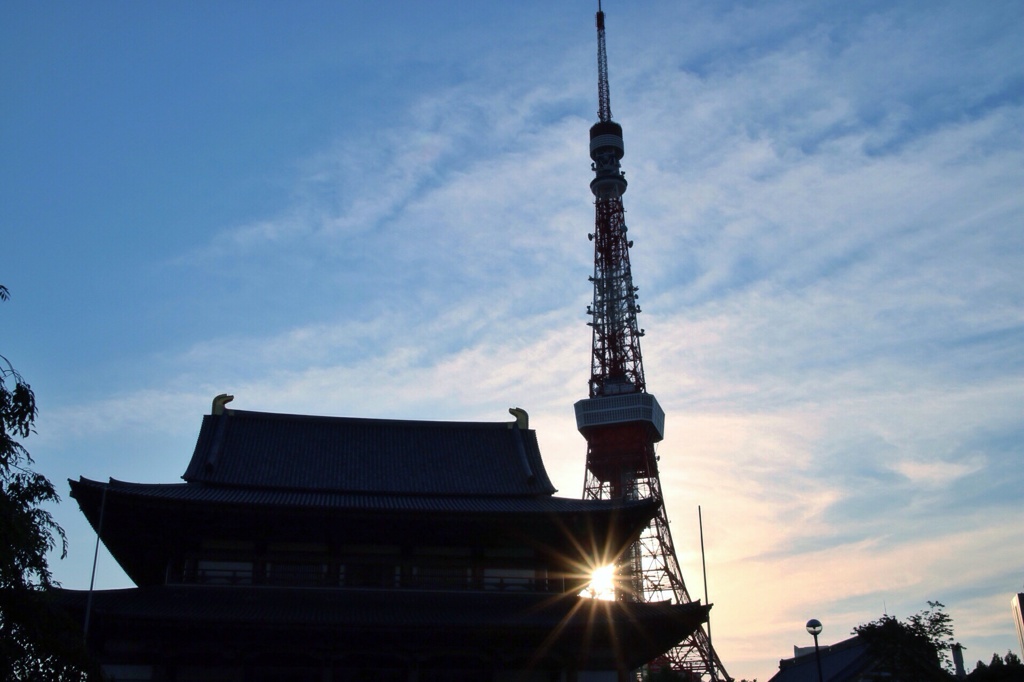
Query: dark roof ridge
117,484
384,421
90,494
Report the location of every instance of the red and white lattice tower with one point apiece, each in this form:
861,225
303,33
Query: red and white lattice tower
620,419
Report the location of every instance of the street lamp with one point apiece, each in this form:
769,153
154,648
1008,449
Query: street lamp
814,627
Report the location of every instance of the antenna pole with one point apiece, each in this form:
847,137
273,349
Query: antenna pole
95,558
604,108
704,569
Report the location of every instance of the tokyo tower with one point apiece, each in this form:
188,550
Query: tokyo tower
620,420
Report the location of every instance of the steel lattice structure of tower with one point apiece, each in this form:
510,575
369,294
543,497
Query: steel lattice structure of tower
621,421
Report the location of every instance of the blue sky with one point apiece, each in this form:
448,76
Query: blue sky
381,210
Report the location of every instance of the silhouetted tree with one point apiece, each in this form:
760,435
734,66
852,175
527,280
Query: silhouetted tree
1006,669
916,649
36,641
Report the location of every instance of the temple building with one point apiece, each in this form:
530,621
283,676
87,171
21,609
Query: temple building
327,549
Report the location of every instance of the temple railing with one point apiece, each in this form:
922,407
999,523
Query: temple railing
368,574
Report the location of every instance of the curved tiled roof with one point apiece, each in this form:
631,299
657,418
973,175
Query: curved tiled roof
523,628
143,523
312,499
359,607
343,480
370,456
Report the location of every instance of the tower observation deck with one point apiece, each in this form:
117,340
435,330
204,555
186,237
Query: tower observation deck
620,420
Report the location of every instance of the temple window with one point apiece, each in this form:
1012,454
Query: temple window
215,572
511,568
371,566
503,578
297,565
439,568
296,573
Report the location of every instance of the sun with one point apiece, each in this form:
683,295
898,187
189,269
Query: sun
602,583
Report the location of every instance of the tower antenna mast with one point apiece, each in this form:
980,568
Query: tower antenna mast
604,106
620,420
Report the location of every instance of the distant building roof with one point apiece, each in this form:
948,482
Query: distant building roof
350,455
858,660
841,662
